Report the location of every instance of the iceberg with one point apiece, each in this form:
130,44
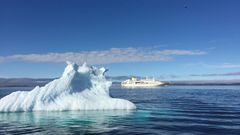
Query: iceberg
79,88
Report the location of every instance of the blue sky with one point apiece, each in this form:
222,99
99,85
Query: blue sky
161,38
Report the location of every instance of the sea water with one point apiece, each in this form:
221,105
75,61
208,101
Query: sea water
168,110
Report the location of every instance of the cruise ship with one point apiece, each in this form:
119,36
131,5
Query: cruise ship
134,82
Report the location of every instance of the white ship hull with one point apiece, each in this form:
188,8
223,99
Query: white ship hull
142,85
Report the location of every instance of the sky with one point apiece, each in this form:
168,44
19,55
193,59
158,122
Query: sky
166,39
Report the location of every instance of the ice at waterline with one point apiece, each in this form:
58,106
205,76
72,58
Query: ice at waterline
79,88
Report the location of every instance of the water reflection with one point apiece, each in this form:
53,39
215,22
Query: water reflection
65,122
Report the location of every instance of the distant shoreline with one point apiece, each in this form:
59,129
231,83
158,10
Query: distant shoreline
31,82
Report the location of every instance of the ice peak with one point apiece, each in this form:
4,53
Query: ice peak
71,67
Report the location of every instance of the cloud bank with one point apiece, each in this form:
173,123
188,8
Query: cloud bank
225,65
224,74
113,55
214,66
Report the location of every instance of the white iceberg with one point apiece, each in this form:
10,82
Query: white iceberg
79,88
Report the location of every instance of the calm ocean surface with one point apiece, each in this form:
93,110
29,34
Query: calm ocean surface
169,110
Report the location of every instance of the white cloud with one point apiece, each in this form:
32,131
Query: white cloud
113,55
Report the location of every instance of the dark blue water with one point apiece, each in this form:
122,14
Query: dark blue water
169,110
